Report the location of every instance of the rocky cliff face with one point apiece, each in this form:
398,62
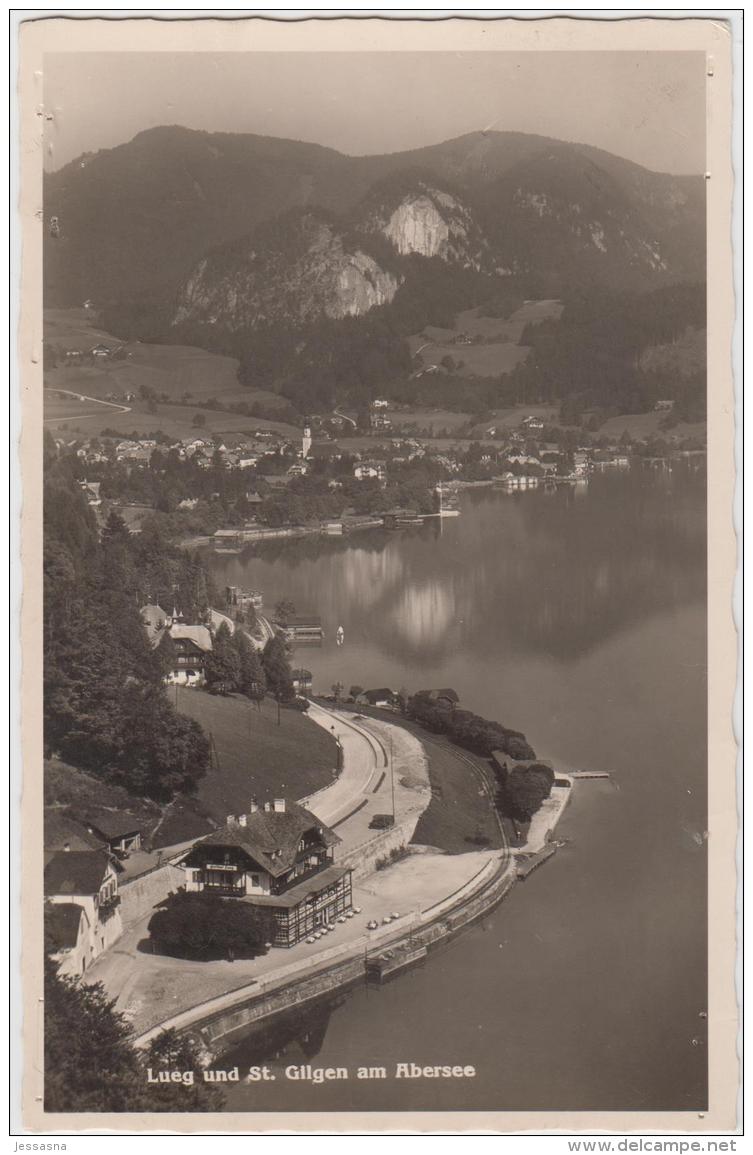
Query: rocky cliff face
431,223
299,271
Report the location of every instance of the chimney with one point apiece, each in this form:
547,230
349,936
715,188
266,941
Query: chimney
279,805
231,820
242,820
253,806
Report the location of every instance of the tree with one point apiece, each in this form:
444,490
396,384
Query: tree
525,788
338,689
199,420
252,680
222,666
201,925
92,1065
115,531
277,669
356,691
284,611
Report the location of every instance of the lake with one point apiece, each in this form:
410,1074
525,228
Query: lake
577,616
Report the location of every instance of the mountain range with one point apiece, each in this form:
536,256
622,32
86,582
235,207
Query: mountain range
238,242
135,220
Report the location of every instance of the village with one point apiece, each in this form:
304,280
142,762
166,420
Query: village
276,485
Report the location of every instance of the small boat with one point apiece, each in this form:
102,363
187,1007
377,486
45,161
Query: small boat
340,635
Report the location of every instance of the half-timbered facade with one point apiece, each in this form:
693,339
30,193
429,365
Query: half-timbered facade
279,856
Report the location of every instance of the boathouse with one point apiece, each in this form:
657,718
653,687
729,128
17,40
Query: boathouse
302,628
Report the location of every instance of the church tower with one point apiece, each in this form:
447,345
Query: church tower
306,439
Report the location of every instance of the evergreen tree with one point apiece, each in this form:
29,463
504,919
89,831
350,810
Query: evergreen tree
277,669
252,680
223,664
92,1065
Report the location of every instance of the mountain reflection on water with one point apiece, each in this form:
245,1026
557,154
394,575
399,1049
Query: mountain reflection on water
580,619
552,571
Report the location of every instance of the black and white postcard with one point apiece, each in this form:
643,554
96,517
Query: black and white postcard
378,557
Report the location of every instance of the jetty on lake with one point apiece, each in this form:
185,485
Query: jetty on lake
526,866
391,962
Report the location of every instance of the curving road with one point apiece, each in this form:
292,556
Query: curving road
83,397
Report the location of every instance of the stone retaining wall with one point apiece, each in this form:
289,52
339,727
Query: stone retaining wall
362,859
452,915
140,895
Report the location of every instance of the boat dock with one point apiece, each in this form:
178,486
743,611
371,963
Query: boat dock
588,774
524,867
383,966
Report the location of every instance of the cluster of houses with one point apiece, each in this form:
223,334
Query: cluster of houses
98,352
84,857
279,856
235,451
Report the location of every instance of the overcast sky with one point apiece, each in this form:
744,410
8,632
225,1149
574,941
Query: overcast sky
647,106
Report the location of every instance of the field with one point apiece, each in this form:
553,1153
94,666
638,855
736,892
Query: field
647,425
459,811
501,351
182,373
434,419
70,790
256,756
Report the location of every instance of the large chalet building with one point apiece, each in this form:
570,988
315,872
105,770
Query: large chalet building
191,644
279,856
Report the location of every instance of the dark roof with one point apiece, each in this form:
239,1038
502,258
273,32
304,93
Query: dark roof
61,923
450,695
76,872
324,449
60,829
297,894
267,831
378,695
296,621
112,823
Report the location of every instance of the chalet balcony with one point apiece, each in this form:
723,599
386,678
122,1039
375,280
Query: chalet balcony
225,889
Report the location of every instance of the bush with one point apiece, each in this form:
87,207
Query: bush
203,926
525,788
394,855
467,729
298,703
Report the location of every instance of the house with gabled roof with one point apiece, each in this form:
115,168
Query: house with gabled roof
191,644
119,830
86,879
279,856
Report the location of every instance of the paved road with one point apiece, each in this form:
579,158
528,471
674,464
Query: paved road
83,397
362,756
267,631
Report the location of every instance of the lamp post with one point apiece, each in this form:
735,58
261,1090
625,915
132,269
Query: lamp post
392,780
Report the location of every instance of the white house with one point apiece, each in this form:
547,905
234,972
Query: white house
84,884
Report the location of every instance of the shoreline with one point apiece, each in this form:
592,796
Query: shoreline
290,985
341,966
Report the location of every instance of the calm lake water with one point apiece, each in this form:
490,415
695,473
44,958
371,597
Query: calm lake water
579,618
